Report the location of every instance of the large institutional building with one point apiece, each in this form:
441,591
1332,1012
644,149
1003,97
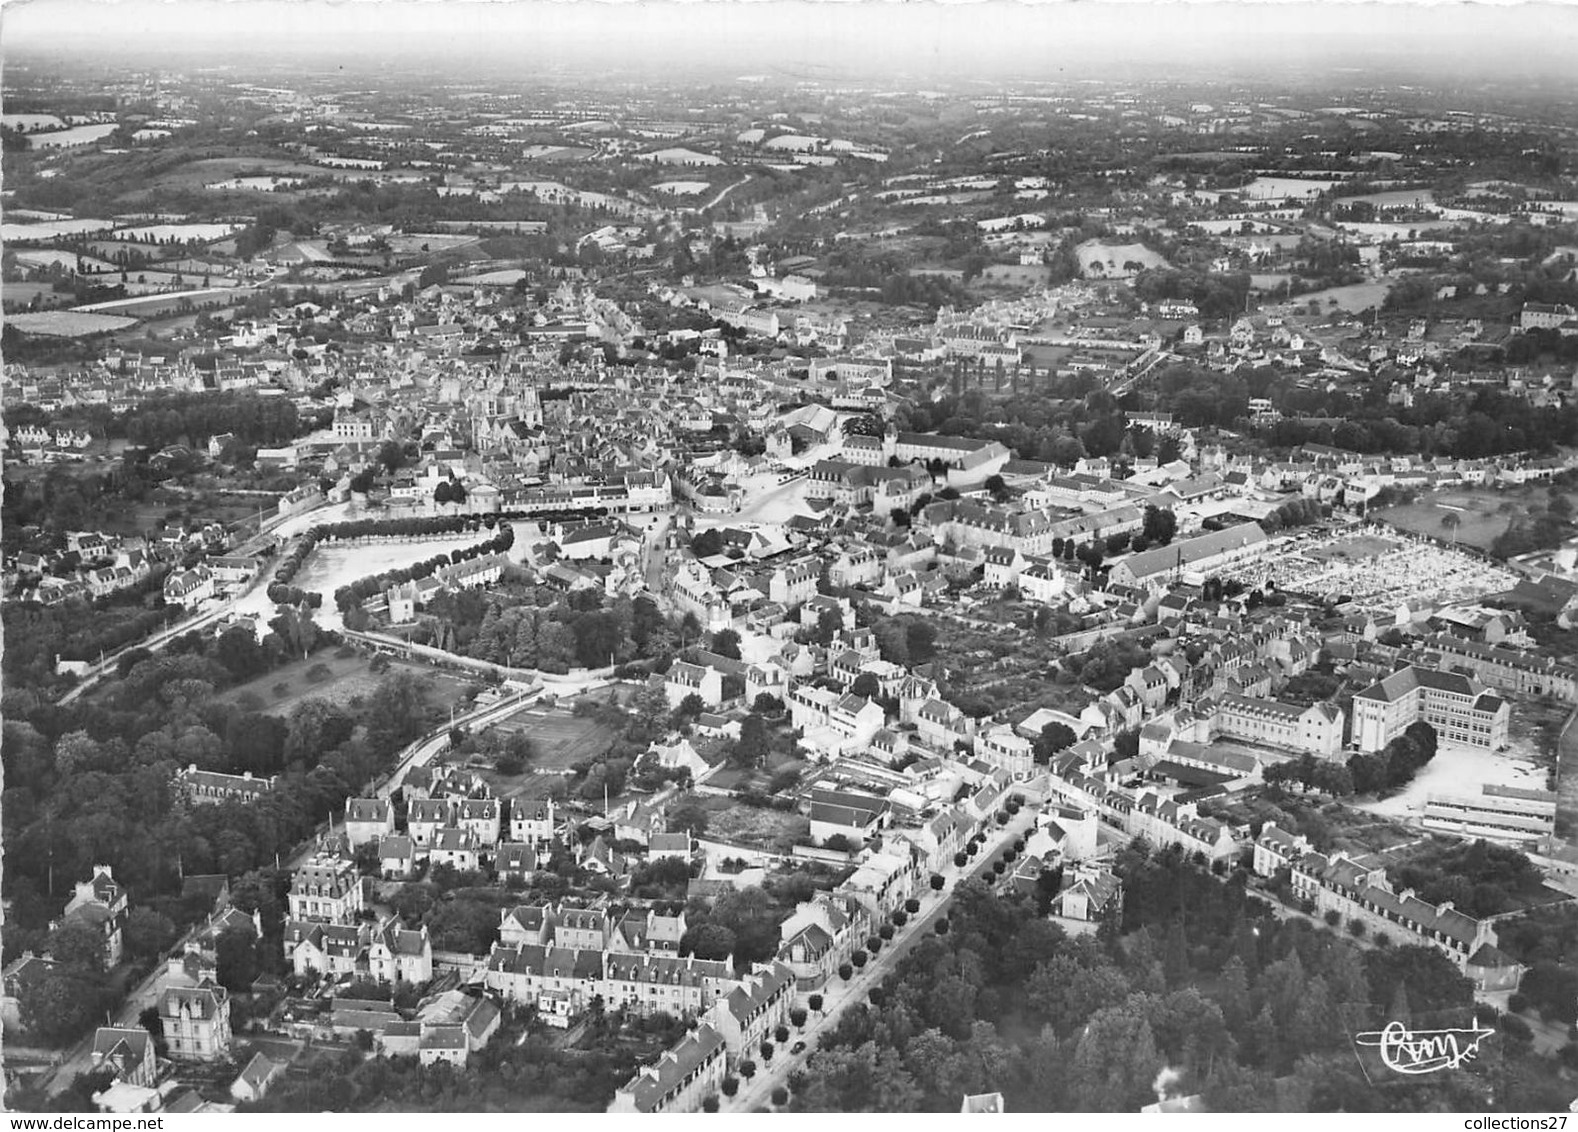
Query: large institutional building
1457,706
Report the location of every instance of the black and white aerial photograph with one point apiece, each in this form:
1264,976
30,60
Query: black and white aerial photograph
777,556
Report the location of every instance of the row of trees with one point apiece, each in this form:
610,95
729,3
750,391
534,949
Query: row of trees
351,596
1296,513
293,596
1391,768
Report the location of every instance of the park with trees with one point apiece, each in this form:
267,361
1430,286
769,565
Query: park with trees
1252,1012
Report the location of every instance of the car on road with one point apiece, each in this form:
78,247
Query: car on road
798,1047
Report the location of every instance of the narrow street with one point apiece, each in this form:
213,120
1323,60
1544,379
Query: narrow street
839,996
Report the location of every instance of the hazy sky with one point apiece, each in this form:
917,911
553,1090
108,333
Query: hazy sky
1452,38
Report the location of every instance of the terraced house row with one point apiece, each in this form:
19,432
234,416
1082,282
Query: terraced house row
1361,894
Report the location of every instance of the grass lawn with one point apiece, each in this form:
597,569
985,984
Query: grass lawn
348,677
560,739
1018,276
1484,512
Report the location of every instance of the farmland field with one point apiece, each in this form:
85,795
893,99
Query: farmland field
681,188
1355,298
254,184
28,122
1388,230
178,232
69,324
556,152
20,294
1397,198
46,257
1011,275
428,241
50,230
208,170
77,135
1280,188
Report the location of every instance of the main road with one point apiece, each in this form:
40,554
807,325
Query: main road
837,996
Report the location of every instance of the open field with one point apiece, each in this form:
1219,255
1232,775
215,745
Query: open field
50,230
1010,275
207,171
30,122
163,233
769,829
76,135
254,184
15,293
1483,512
1354,298
56,257
559,738
348,677
69,324
682,188
1281,188
1107,260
